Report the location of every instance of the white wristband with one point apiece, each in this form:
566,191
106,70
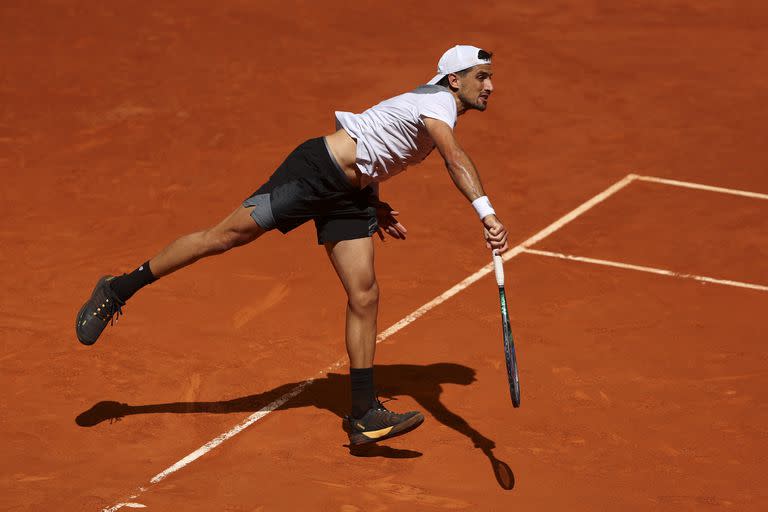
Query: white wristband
483,207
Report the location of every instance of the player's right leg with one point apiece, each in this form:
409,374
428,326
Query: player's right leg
239,228
111,293
287,200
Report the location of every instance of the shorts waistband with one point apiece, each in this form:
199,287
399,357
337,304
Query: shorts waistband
336,164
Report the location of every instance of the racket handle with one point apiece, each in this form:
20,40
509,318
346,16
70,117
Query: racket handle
498,267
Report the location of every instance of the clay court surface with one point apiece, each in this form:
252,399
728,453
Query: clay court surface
123,127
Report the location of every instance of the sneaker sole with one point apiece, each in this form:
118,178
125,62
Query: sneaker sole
358,438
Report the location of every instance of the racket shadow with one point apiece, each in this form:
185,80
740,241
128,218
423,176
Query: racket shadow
501,470
421,382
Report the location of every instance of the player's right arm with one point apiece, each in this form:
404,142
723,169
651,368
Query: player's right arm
466,178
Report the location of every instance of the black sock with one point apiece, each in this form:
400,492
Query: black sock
362,390
126,285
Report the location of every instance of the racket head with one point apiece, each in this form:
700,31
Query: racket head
513,374
514,378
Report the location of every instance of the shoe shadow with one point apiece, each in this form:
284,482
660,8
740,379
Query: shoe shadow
381,450
422,382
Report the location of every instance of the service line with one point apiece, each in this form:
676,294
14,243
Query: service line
410,318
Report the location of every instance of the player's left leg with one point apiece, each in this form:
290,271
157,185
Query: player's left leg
353,262
370,421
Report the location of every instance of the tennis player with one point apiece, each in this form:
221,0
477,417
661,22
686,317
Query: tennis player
333,180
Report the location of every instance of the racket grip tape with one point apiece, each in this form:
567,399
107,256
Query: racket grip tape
498,267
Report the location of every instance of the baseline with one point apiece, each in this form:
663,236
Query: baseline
651,270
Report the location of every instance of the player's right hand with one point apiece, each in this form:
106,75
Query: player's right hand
495,234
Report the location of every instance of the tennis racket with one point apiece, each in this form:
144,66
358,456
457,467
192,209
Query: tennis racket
509,343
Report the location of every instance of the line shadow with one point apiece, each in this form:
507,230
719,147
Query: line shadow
422,382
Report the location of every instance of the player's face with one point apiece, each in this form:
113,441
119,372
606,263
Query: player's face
475,87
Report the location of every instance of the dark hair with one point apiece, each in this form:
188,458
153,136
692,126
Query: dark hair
481,54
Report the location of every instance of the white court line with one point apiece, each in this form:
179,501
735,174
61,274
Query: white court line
565,219
699,186
651,270
253,418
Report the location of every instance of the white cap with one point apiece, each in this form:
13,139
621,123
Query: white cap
456,59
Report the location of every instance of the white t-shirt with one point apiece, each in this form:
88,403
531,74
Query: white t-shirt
391,135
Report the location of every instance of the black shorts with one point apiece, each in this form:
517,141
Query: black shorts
309,184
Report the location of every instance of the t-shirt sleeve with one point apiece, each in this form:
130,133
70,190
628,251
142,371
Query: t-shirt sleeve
440,106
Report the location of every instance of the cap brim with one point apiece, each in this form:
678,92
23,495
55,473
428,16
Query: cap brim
436,79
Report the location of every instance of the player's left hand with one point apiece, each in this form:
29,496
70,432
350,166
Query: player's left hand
388,223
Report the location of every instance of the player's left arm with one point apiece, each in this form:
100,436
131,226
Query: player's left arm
466,178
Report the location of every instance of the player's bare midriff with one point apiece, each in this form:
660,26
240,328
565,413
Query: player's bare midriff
344,150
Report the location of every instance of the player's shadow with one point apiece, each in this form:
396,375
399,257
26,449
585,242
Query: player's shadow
422,382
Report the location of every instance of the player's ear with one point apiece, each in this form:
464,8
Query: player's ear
453,80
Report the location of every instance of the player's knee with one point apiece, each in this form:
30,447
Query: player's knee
364,298
217,242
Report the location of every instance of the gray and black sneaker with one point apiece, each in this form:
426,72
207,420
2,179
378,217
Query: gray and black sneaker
379,423
97,312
